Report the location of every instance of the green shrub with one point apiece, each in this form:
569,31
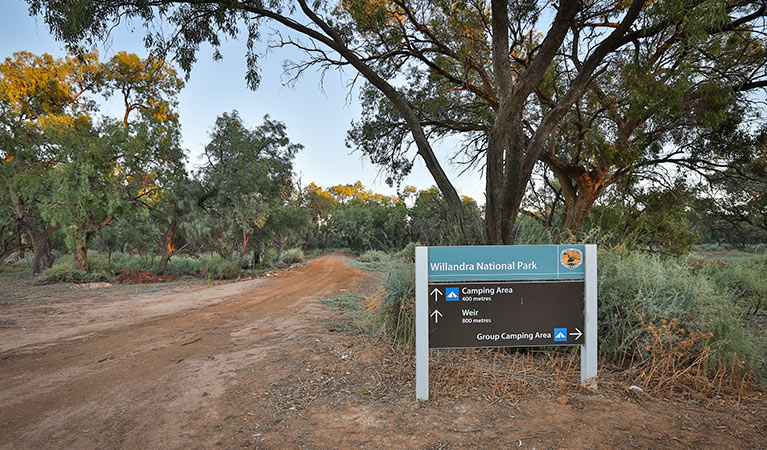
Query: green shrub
408,253
745,280
529,231
639,293
393,314
186,265
373,256
292,256
269,257
63,272
218,268
138,263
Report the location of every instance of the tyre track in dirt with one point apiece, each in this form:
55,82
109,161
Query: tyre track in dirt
145,383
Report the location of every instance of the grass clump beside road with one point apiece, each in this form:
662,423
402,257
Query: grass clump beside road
348,302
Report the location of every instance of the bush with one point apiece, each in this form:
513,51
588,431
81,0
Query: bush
292,256
528,231
393,312
648,303
65,273
218,268
186,265
373,256
124,261
744,280
408,253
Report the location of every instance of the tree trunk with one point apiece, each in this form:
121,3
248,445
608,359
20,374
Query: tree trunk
577,211
80,251
80,254
41,245
41,240
509,169
168,248
580,189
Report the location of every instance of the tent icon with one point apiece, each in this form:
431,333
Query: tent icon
560,334
451,294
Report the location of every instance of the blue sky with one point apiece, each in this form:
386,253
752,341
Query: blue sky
317,113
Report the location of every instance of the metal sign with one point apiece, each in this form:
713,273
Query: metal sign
494,314
472,297
518,262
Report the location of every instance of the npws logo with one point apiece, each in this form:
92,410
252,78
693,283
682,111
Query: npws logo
572,258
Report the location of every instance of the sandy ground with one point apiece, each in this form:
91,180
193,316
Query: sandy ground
262,364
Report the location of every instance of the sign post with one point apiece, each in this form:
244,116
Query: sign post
421,323
506,296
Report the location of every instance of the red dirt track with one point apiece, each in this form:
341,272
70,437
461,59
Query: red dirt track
132,381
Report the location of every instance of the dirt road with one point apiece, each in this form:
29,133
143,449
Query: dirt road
261,364
128,373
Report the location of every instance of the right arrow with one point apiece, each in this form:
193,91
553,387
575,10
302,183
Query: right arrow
436,314
579,334
436,293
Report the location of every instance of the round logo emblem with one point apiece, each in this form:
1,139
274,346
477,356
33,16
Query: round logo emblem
571,258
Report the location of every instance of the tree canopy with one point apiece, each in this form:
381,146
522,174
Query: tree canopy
64,165
500,75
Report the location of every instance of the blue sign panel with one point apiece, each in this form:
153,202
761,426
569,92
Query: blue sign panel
452,294
518,262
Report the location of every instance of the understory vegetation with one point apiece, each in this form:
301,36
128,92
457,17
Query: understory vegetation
206,266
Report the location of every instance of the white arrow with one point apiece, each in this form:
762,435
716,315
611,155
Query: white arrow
436,293
436,314
579,334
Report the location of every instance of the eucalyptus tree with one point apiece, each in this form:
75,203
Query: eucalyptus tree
664,102
435,68
38,93
68,167
246,175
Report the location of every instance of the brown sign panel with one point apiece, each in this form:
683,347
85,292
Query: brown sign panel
506,314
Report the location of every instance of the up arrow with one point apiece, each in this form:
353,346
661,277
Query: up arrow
436,293
436,314
579,334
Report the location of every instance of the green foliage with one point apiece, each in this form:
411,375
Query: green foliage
292,256
349,301
529,231
373,256
186,265
218,268
646,219
394,315
74,171
65,273
247,187
408,253
636,289
744,281
430,220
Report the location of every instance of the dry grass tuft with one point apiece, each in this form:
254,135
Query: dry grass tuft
496,375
